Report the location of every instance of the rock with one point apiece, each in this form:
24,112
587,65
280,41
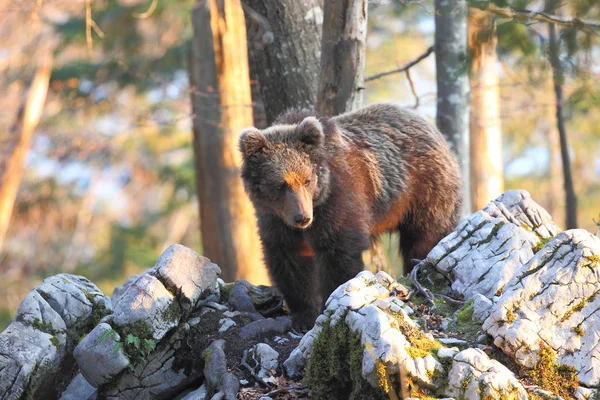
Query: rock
387,342
222,382
452,341
148,327
157,375
553,299
35,349
482,306
197,278
119,290
264,326
226,323
447,352
198,394
475,376
484,251
78,389
585,393
98,357
239,299
147,305
266,358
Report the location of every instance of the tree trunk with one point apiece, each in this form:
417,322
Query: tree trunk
221,104
487,178
453,83
284,44
555,190
342,56
558,79
20,135
343,48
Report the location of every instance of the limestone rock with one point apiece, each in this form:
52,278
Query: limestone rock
367,306
474,376
266,357
78,389
482,307
198,277
138,345
35,349
147,302
119,290
98,357
199,394
553,299
484,251
155,376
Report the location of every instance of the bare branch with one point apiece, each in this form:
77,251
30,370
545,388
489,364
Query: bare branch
148,13
90,24
403,68
528,16
412,88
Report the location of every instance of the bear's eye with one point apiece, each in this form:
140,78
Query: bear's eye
307,182
283,186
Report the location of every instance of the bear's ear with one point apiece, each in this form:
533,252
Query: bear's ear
252,141
310,131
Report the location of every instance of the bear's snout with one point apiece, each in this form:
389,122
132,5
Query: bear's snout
302,221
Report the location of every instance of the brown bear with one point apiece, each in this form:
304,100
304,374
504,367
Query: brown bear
323,188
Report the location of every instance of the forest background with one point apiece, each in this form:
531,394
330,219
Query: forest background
109,180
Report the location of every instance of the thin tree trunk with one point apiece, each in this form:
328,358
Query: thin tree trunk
558,80
221,104
342,56
453,83
284,46
555,191
487,178
20,134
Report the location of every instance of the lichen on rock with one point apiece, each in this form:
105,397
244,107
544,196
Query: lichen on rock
485,250
474,376
553,301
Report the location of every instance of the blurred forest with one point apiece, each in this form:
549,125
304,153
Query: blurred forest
109,175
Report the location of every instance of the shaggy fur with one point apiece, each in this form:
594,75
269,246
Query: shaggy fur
323,188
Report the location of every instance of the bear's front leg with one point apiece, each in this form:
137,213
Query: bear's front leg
291,265
339,258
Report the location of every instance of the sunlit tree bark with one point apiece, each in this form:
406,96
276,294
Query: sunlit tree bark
221,104
20,135
487,178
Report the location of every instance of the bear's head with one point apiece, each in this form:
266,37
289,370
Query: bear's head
285,170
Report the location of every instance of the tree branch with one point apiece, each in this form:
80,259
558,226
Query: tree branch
403,68
540,16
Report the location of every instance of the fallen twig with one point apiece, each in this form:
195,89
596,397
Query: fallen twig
245,364
289,389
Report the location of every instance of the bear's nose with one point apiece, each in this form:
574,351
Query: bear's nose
301,220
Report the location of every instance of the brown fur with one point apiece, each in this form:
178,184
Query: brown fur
324,188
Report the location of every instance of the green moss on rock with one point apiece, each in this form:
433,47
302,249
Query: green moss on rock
335,367
225,292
